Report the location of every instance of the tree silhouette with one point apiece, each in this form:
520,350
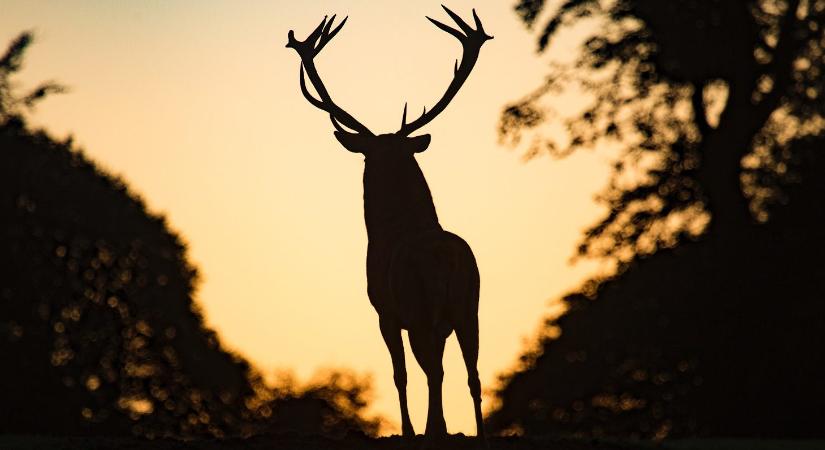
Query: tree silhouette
692,340
99,333
702,97
716,109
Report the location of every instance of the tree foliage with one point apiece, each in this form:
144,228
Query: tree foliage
703,99
10,63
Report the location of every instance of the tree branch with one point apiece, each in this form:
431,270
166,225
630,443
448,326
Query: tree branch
699,114
781,67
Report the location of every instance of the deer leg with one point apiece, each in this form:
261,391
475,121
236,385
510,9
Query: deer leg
392,337
429,350
468,341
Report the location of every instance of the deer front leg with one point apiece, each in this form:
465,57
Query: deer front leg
429,350
392,337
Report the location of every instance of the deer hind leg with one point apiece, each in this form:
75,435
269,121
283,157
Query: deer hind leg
467,336
429,350
392,337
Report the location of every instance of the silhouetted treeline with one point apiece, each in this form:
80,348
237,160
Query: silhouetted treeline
715,321
696,340
98,330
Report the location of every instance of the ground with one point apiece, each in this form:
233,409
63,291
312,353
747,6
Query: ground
459,442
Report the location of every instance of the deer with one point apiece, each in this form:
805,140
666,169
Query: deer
420,277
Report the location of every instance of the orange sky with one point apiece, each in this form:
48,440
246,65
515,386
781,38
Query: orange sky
197,106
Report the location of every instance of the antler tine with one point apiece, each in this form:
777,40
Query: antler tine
338,28
404,116
327,36
322,37
316,33
308,44
479,26
447,28
458,21
329,24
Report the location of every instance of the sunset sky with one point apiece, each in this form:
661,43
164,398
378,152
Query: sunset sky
196,104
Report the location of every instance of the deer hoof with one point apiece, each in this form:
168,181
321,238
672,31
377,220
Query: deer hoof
407,432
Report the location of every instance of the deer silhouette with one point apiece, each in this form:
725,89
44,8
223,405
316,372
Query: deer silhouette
420,277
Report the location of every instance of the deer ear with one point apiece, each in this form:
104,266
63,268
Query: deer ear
350,141
419,143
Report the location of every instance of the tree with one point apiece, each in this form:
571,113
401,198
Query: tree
702,97
691,341
713,322
98,328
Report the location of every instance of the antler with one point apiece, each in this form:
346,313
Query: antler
471,40
307,50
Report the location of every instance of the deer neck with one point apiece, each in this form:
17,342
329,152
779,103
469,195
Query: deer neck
397,200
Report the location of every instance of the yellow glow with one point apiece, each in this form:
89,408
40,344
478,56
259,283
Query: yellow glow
197,106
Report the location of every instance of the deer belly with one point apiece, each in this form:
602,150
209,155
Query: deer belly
419,275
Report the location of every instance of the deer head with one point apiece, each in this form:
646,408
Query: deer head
360,139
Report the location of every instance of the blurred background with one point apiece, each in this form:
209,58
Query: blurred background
183,240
